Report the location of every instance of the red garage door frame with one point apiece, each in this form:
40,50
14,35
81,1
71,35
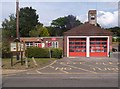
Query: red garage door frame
87,53
102,48
77,47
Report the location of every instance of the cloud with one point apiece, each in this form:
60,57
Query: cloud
107,19
83,18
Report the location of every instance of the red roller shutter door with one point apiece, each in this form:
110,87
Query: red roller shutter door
98,47
77,47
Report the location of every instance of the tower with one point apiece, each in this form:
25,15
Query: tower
92,18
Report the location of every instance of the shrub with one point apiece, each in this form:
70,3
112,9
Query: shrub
37,52
56,53
43,52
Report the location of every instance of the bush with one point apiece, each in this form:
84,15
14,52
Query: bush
43,52
37,52
56,53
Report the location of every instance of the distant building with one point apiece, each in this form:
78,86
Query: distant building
43,42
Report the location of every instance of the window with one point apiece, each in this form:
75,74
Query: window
55,44
98,45
77,45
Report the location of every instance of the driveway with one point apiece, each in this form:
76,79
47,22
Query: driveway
81,65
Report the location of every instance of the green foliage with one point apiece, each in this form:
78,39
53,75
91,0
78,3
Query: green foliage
6,50
115,31
43,52
9,25
37,52
39,31
28,20
34,33
56,53
44,32
63,24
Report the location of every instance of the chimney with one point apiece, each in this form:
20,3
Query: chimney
92,17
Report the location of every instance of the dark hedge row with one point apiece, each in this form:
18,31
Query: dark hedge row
43,52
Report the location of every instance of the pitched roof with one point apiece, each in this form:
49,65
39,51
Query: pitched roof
87,30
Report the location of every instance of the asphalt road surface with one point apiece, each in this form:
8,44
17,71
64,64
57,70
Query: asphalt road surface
69,72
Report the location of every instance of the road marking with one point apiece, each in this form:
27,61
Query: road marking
117,69
51,66
104,63
80,62
61,69
108,68
61,62
38,72
99,69
80,68
105,68
96,63
94,69
69,73
110,63
48,65
56,68
67,62
64,71
74,62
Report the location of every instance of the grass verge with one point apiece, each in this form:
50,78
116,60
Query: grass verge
6,63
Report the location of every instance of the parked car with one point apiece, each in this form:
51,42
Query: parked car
114,49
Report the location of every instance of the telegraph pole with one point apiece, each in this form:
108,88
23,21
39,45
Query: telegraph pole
17,19
17,26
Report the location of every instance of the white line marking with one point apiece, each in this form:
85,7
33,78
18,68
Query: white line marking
74,63
38,72
80,62
94,69
61,62
68,63
104,63
96,63
64,71
47,65
51,66
108,68
110,63
56,68
79,68
99,69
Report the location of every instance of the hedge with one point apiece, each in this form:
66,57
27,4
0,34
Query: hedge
43,52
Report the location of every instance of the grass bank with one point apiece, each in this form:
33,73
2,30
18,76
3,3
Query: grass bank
6,63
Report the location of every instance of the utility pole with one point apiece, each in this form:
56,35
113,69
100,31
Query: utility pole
17,19
17,26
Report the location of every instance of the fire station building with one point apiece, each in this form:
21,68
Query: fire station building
86,40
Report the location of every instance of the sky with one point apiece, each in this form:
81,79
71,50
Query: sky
107,12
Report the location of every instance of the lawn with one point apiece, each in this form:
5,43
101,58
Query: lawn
6,63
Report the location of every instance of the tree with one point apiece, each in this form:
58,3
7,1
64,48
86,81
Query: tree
39,31
115,31
28,20
65,23
9,26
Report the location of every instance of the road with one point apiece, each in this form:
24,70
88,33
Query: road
69,72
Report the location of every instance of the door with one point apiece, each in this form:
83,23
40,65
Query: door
98,47
77,47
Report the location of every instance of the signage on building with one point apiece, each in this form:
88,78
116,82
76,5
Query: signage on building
53,39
